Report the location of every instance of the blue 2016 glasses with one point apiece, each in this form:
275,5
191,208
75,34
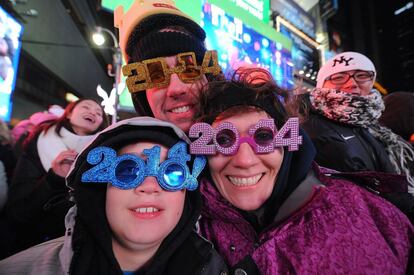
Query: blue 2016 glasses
129,171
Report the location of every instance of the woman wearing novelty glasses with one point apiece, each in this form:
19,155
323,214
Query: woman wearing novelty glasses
269,209
137,201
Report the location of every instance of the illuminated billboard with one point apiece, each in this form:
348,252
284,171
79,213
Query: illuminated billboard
238,44
10,32
304,55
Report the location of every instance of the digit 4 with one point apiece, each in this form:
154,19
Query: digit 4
293,140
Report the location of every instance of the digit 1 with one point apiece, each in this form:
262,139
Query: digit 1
153,159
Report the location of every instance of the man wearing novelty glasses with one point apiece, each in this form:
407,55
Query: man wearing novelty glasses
167,61
343,122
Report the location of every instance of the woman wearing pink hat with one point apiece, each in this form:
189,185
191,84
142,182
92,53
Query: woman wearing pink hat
37,202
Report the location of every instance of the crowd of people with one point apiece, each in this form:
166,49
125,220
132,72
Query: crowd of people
217,174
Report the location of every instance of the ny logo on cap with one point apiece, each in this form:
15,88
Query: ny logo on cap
342,60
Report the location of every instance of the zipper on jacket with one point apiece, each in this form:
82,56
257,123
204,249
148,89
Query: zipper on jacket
371,153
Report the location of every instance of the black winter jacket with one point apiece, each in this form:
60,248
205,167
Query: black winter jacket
351,149
37,203
345,147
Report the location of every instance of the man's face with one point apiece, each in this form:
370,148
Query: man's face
176,102
354,82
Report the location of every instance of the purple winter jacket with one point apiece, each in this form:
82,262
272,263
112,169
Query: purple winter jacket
326,226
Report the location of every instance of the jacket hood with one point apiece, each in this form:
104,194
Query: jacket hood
92,237
294,169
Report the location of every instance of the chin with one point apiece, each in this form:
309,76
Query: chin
242,205
185,126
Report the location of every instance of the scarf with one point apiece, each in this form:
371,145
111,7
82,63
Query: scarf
50,144
364,111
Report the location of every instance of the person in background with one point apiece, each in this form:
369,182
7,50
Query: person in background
399,114
167,60
38,198
3,186
22,129
269,209
6,148
6,162
136,215
343,121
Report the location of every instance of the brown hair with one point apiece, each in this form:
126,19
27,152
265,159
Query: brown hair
255,84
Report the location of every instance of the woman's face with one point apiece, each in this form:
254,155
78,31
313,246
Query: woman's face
86,117
245,179
142,217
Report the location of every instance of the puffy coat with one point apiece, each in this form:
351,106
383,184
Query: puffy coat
38,201
346,148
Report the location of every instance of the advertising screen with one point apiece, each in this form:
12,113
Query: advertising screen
238,44
305,57
10,32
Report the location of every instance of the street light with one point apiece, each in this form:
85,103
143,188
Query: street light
99,40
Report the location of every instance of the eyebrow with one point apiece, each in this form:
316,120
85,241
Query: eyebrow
90,104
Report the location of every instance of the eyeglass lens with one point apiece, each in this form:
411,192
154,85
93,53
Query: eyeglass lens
359,76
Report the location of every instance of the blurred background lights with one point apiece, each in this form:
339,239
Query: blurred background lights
279,46
247,38
265,42
98,38
256,46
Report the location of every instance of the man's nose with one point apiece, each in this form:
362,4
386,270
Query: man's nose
351,83
176,87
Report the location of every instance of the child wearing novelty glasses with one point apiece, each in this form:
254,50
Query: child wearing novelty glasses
137,201
268,208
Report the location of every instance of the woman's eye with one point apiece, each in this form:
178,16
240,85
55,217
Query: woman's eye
263,136
225,138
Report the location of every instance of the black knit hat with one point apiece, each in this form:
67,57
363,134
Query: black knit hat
148,40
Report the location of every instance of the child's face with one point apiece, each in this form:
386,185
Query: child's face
141,218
